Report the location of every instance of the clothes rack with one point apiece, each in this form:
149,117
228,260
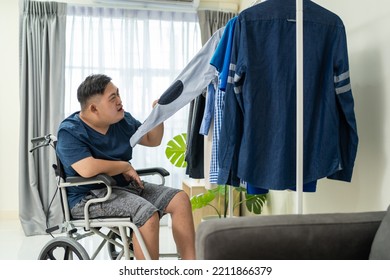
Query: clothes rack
299,131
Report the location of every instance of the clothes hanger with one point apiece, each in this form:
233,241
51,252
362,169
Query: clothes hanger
255,2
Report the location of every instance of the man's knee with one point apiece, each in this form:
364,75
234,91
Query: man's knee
152,222
182,196
179,203
155,218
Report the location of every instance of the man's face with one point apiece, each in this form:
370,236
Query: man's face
110,106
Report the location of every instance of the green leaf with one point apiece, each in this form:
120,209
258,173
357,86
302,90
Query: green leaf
202,200
176,149
255,203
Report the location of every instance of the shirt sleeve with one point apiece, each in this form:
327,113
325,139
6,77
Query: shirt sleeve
70,149
208,110
348,137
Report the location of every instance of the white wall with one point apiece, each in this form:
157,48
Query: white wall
9,108
369,44
367,26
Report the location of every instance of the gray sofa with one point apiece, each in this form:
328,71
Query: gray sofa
347,236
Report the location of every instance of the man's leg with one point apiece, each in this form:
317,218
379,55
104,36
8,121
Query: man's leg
182,225
150,234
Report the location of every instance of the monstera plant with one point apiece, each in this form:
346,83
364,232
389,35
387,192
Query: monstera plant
176,149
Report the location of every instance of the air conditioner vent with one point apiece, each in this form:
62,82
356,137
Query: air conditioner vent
173,5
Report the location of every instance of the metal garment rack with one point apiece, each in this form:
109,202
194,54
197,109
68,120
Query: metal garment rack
299,130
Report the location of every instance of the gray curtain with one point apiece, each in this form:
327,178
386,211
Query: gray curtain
42,87
210,22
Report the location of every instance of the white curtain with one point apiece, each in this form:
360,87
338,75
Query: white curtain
143,52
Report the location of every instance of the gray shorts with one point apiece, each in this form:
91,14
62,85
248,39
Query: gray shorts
131,202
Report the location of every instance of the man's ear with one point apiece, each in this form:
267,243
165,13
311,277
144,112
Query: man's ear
92,108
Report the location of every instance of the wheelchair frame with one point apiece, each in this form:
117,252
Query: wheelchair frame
68,245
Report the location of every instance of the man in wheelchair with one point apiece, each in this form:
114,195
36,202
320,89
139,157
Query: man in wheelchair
95,140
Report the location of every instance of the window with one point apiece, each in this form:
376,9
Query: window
143,52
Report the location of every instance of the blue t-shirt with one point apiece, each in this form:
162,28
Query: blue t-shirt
221,57
76,141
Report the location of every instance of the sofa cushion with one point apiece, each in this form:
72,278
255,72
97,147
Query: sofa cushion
380,248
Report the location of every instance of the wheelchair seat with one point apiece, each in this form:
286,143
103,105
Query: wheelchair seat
116,232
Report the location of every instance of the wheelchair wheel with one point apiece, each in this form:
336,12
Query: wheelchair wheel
63,248
113,250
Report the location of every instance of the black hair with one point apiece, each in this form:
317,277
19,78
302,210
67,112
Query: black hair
92,85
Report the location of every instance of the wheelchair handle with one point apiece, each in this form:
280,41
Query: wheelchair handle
47,137
39,139
42,141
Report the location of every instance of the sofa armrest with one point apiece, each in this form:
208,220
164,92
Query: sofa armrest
299,237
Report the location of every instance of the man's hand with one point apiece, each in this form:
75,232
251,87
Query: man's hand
131,174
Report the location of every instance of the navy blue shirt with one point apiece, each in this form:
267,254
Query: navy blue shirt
76,141
258,133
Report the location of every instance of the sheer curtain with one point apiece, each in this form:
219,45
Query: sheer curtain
142,51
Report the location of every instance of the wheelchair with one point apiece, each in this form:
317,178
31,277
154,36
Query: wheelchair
115,232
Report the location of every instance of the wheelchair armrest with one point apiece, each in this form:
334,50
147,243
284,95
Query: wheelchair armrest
153,170
103,178
109,181
99,179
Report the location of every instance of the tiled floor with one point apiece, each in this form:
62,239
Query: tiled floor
14,245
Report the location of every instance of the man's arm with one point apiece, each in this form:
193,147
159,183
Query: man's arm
89,167
153,137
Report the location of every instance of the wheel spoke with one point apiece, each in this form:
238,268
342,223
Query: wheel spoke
68,252
50,255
